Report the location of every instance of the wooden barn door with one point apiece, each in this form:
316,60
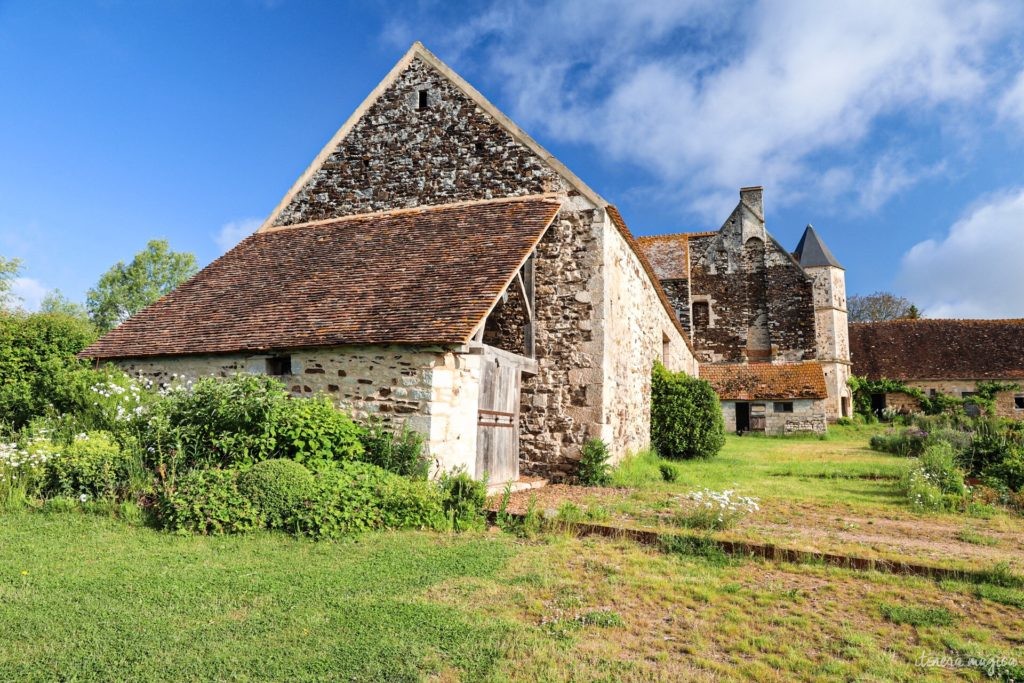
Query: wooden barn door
497,434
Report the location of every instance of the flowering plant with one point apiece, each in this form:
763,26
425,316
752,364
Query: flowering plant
714,510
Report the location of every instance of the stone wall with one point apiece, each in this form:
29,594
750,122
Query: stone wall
432,390
808,416
760,301
562,404
398,155
678,293
638,330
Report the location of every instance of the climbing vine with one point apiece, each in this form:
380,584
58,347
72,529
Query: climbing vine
984,397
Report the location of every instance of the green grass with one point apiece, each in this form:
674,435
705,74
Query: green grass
95,598
88,597
918,616
841,469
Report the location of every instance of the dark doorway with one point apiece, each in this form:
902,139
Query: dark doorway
877,403
742,417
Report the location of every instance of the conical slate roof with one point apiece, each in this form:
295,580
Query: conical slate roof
812,251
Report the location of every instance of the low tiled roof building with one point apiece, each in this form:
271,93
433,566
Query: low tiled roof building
776,398
942,356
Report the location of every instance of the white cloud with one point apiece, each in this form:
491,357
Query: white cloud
1011,104
235,231
975,270
28,293
711,96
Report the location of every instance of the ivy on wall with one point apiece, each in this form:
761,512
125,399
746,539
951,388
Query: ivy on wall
984,397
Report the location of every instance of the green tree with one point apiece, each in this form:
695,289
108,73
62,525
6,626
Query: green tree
56,302
9,268
124,290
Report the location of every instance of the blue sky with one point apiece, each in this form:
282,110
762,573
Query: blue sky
897,129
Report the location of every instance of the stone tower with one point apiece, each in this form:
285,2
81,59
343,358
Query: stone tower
831,329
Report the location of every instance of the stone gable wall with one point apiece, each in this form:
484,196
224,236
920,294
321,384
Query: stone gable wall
398,156
760,301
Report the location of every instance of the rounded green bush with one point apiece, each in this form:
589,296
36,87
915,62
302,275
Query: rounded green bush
277,488
207,502
686,418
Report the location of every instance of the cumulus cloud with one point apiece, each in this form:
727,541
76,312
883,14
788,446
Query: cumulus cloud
233,232
710,96
1011,104
975,270
28,293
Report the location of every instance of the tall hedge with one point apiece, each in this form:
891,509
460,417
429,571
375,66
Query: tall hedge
38,367
686,418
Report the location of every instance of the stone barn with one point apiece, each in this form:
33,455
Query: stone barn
434,267
937,356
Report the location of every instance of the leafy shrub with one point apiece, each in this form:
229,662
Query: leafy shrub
220,422
413,504
313,431
207,501
939,464
355,496
277,488
1008,474
594,469
669,472
686,418
845,422
934,482
910,442
399,452
989,446
38,365
93,465
463,499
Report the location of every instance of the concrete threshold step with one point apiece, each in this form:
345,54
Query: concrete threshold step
521,484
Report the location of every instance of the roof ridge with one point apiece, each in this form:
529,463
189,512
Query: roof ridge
423,208
666,235
915,321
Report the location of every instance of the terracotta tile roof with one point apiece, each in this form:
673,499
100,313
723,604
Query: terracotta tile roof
938,349
423,276
669,255
765,381
620,225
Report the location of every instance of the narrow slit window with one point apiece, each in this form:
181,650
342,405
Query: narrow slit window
421,99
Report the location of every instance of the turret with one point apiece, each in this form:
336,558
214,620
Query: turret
832,333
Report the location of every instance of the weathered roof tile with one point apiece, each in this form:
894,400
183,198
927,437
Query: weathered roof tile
765,381
423,276
938,349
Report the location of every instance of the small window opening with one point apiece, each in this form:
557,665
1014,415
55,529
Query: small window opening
783,407
279,365
1018,402
421,102
932,393
701,315
666,347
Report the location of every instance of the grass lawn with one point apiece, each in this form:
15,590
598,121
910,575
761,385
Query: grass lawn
830,495
92,598
87,597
